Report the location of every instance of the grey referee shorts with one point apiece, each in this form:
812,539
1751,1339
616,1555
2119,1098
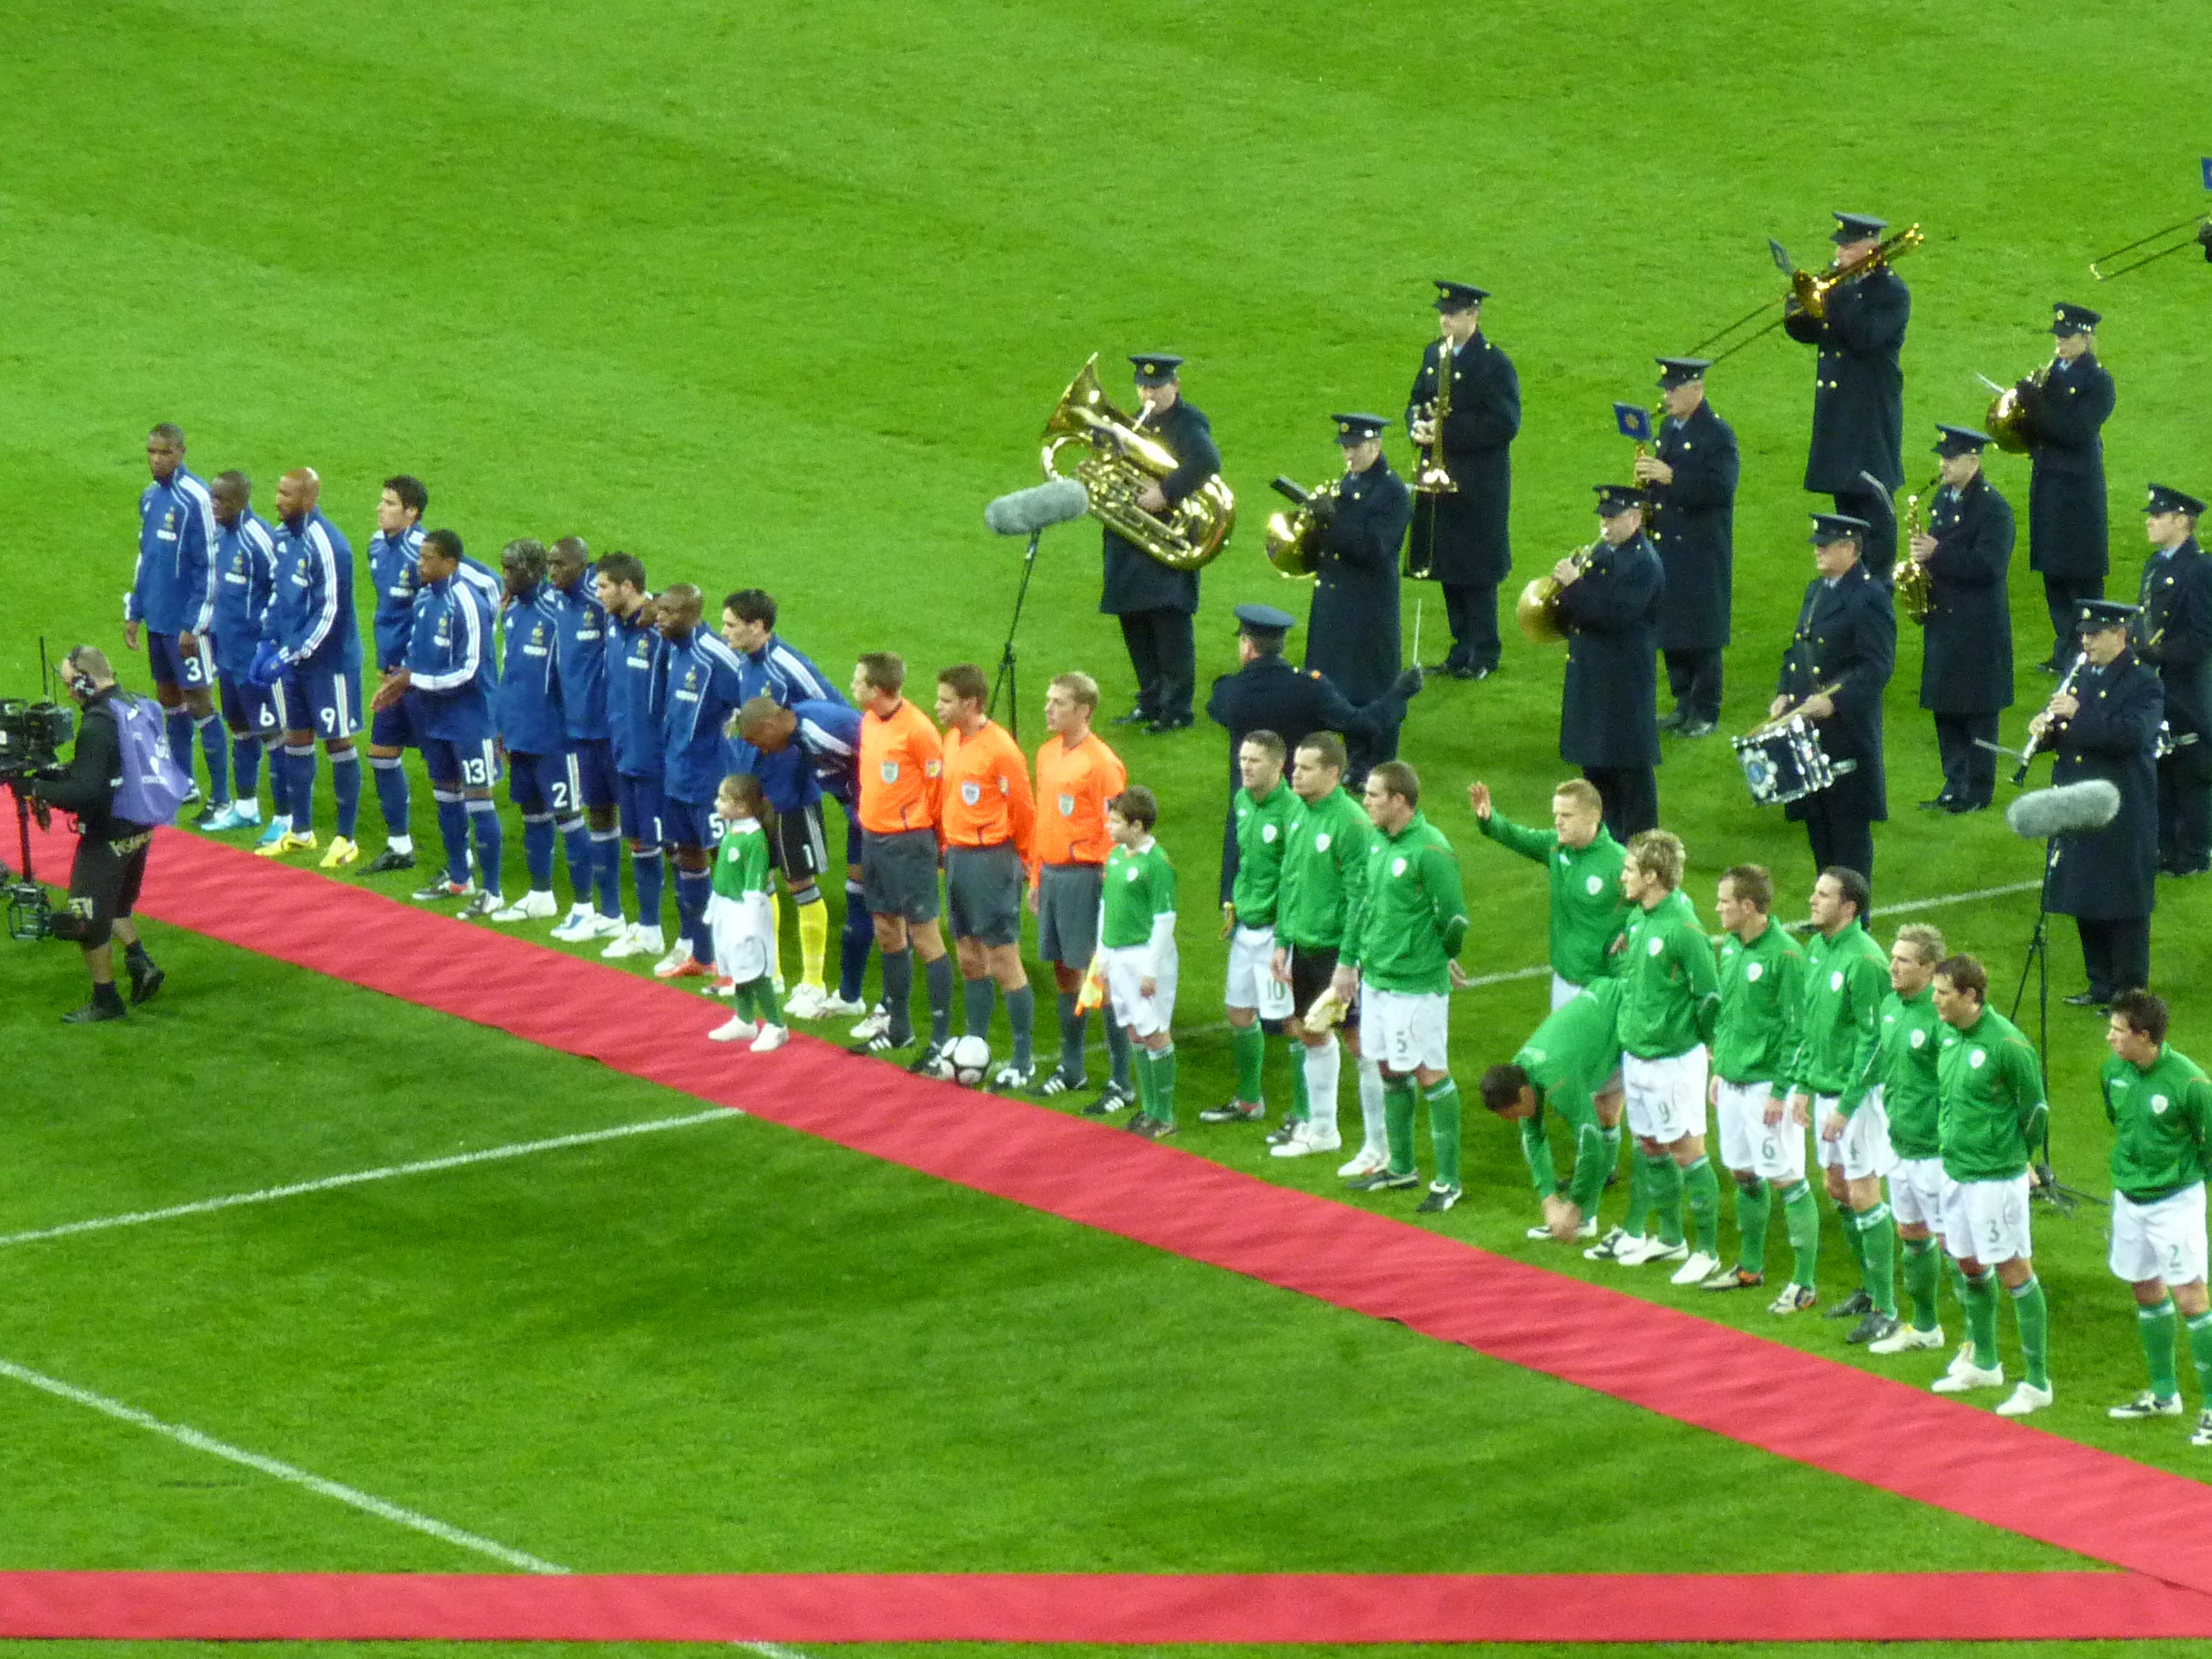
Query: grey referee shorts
1067,912
898,874
982,893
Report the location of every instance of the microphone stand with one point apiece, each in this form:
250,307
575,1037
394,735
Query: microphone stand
1008,675
2049,1188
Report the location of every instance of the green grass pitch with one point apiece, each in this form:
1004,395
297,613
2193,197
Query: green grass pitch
781,296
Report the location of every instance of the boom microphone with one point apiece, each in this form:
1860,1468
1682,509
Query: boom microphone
1039,507
2069,810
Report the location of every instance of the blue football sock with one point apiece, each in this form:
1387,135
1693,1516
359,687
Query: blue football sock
607,870
452,830
214,746
854,941
647,869
491,842
299,776
346,783
693,889
392,796
537,851
576,842
178,724
245,762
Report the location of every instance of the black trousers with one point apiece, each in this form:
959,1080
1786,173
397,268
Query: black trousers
1844,838
1879,555
1164,653
2185,808
1630,795
2116,954
1969,769
1363,753
2061,597
1471,613
1693,678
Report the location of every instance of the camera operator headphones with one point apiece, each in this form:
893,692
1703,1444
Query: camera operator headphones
75,677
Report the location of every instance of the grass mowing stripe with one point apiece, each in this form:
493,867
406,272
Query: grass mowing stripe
276,1470
428,1166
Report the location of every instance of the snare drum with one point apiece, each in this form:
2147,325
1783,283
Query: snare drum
1785,763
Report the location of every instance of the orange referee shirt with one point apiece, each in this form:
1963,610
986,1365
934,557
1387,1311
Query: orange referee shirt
987,798
902,770
1073,786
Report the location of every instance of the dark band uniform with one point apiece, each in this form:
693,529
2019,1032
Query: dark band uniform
1461,540
1965,670
2105,880
1691,525
1268,694
1847,637
1859,395
110,862
2173,634
1351,635
1608,721
1155,602
2067,533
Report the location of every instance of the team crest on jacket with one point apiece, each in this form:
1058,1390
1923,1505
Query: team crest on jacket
1751,974
1654,947
1397,866
1067,806
1594,885
890,771
1976,1060
2159,1104
1920,1040
1266,830
1321,841
1131,873
971,792
1835,980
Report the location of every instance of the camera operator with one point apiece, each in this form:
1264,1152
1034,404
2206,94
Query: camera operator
111,859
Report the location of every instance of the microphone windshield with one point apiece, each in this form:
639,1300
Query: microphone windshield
1042,506
2069,810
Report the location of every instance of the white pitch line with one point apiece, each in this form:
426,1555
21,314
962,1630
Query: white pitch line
275,1470
329,1182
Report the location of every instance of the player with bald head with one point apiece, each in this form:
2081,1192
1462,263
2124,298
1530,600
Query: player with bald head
311,648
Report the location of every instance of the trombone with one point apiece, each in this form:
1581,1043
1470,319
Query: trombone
2196,222
1808,289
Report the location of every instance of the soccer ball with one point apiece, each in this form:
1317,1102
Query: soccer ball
970,1060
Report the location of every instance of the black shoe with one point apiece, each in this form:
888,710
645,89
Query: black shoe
1853,1306
1162,727
1111,1099
1448,666
2183,872
1966,806
1941,804
144,982
1872,1328
106,1004
1232,1111
209,813
878,1044
2049,665
388,859
1437,1200
2087,999
1673,720
1697,728
1134,717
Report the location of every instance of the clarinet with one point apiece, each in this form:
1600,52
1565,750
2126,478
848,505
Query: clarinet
2038,741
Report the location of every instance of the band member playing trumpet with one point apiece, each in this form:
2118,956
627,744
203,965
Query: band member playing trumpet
2107,727
1351,636
1460,536
2173,635
1155,602
1608,721
2063,409
1965,671
1834,672
1691,484
1858,389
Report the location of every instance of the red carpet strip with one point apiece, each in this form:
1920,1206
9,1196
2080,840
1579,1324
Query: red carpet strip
1104,1608
1830,1416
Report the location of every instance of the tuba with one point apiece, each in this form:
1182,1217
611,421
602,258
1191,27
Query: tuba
2008,423
1915,588
1118,462
1290,537
1537,612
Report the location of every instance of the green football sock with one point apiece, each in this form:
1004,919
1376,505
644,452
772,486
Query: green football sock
1801,1214
1444,1128
1141,1080
1701,1190
1301,1100
1754,1207
2156,1327
2200,1351
1162,1061
1922,1272
1849,1219
1980,1300
2032,1309
1250,1044
1612,1157
1636,1220
1398,1121
1878,1250
1663,1180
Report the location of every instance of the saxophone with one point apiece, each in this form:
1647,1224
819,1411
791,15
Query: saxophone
1915,588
